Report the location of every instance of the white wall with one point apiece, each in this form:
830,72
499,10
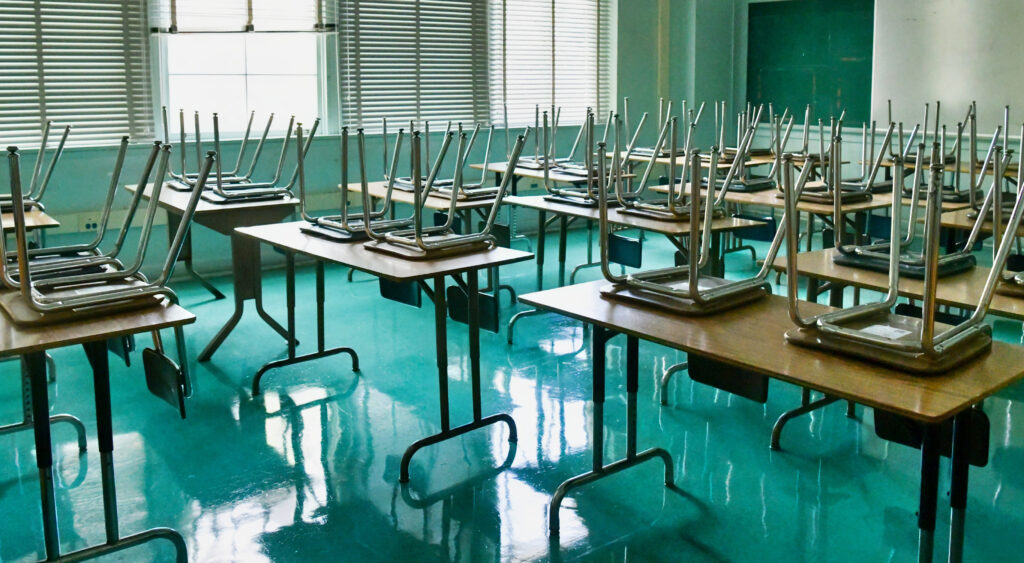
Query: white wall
954,51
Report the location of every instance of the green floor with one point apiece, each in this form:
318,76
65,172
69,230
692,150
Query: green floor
309,470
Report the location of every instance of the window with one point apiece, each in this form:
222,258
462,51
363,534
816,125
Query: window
83,64
550,52
412,59
262,72
209,65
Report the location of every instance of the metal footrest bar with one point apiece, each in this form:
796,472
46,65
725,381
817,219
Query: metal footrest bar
28,416
66,418
127,542
513,437
572,274
426,501
321,350
300,359
666,378
604,471
515,318
791,414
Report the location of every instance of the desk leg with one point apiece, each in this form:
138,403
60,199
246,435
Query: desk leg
717,261
563,240
441,336
34,365
599,469
958,489
99,360
541,222
813,289
28,416
321,350
97,353
929,493
245,268
542,219
173,220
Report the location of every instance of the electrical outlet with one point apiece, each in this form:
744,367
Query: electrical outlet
88,223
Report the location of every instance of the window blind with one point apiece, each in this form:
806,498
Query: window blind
412,59
550,52
193,16
83,63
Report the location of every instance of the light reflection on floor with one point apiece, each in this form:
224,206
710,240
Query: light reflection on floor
309,470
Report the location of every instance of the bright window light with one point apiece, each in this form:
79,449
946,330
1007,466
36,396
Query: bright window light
235,73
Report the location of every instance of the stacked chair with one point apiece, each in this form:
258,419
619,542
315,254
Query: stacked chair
405,237
913,264
33,198
873,331
345,226
231,186
683,289
676,206
420,242
743,178
583,193
65,283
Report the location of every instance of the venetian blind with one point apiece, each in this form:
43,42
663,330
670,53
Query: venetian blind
550,52
189,16
413,59
83,63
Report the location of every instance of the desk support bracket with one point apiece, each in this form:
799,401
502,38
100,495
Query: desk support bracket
441,335
173,220
632,459
321,350
245,267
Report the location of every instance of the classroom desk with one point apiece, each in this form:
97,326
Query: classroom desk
959,221
770,198
378,190
31,344
738,337
1010,172
961,290
222,218
34,219
288,238
673,230
498,168
947,206
759,160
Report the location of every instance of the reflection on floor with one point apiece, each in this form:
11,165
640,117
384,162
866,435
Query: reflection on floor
309,470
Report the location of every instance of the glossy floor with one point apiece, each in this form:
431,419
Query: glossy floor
308,471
